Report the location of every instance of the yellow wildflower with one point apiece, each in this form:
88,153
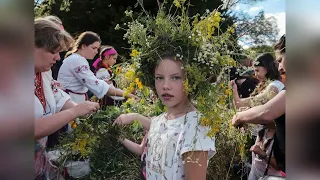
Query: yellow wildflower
73,124
228,92
118,70
177,3
134,53
129,75
139,83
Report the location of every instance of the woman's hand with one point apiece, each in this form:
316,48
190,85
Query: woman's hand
125,119
136,98
233,85
85,108
257,150
108,81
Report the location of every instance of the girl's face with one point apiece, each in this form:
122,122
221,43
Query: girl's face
169,82
44,59
111,60
260,72
90,51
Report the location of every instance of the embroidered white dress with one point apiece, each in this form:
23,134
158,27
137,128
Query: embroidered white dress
103,74
55,100
75,75
168,140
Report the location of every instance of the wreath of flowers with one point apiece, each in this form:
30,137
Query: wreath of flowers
198,43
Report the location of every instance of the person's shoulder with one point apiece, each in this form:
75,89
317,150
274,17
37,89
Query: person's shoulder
278,84
75,59
101,70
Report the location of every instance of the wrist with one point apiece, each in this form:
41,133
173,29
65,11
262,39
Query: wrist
73,113
262,156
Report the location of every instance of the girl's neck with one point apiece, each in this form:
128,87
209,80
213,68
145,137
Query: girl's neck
180,110
104,64
80,53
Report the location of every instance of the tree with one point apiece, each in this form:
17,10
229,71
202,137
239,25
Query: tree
257,31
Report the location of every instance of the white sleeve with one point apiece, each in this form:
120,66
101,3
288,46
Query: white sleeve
59,95
81,70
278,84
195,137
102,74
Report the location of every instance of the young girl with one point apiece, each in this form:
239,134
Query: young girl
265,70
108,57
75,74
178,147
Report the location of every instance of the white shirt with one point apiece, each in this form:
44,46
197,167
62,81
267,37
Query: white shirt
103,74
278,84
55,100
75,75
258,166
168,140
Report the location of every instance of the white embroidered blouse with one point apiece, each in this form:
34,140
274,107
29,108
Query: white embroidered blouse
75,75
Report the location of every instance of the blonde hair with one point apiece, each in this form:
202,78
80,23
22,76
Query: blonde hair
49,36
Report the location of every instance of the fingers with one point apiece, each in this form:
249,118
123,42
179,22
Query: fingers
118,121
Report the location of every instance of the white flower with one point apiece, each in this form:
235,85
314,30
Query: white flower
128,13
189,37
178,55
117,27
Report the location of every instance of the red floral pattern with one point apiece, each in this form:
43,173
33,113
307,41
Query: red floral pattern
82,68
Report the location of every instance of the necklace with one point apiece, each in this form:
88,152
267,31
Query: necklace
38,90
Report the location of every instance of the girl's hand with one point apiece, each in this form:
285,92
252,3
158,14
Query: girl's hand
233,85
125,119
257,150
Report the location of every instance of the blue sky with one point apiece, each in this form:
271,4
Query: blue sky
272,8
275,8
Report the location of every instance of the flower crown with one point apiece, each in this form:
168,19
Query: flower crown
197,42
194,42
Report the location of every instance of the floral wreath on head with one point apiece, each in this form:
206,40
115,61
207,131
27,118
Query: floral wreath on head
198,43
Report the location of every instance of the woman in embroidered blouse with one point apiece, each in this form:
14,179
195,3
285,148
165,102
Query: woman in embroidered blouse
53,107
108,57
75,74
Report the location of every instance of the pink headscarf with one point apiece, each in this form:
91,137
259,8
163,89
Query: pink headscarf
109,52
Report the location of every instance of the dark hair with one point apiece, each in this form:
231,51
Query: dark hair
85,38
281,44
267,61
103,50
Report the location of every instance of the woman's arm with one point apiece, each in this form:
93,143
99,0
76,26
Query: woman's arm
270,92
195,166
118,92
262,114
45,126
69,104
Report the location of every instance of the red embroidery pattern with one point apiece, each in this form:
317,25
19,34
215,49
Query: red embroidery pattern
38,90
55,85
81,68
97,82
